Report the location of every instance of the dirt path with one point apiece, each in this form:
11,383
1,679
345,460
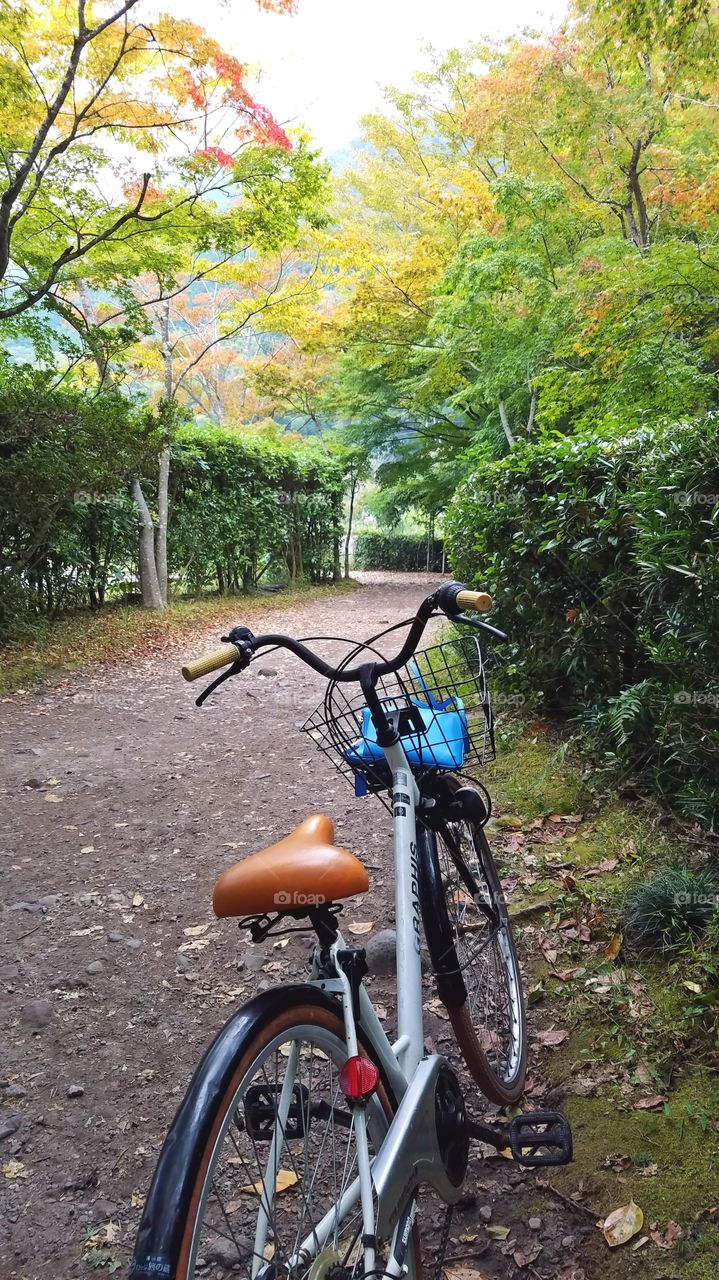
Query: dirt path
121,803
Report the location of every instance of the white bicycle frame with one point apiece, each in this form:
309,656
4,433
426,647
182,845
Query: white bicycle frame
385,1186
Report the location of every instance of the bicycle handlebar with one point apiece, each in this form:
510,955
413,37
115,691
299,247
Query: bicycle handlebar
240,645
213,661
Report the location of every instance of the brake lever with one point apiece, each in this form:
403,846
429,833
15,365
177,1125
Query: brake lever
481,626
242,638
230,671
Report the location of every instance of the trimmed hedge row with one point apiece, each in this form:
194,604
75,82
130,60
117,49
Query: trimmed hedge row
243,503
603,558
376,550
242,500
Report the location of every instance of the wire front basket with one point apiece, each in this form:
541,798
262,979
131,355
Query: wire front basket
442,709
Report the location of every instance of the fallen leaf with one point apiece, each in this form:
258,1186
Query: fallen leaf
608,864
463,1273
693,986
360,926
285,1179
622,1224
553,1037
138,900
15,1169
648,1104
668,1239
524,1257
52,798
193,930
614,946
497,1232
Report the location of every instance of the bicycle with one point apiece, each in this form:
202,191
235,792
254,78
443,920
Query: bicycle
305,1135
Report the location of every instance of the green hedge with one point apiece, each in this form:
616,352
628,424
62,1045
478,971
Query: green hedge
376,550
243,503
603,557
242,500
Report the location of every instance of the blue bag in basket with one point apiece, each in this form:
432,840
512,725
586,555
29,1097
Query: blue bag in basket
442,743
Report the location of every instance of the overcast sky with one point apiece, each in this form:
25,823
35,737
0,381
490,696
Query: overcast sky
324,67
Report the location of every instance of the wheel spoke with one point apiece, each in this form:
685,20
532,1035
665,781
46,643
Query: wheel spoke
485,956
283,1170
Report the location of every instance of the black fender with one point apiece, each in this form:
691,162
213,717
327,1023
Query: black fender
167,1205
435,920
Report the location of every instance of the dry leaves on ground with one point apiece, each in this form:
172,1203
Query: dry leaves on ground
622,1224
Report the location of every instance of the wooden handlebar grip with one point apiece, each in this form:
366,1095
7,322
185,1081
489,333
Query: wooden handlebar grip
221,657
481,601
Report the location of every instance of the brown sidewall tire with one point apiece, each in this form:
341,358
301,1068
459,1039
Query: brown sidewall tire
495,1090
300,1015
477,1064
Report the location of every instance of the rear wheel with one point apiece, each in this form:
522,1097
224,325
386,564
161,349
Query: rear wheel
473,953
279,1158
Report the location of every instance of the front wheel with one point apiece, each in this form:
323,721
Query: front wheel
470,942
271,1164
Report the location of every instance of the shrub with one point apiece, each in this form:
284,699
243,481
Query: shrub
242,501
672,908
67,524
602,558
241,497
378,550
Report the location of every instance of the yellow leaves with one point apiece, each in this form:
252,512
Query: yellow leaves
622,1224
285,1179
614,946
14,1169
497,1231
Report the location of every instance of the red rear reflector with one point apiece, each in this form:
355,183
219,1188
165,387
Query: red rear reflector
358,1079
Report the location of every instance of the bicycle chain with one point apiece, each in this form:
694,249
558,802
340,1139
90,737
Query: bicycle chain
439,1261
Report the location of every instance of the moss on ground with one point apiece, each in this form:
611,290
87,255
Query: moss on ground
530,778
667,1162
631,1017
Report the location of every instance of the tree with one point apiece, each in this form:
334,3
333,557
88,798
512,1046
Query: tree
164,89
416,190
604,108
506,301
68,226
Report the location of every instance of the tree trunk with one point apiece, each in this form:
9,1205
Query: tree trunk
350,518
163,484
505,423
163,479
532,411
149,585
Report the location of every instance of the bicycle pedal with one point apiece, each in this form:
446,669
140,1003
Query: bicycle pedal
540,1138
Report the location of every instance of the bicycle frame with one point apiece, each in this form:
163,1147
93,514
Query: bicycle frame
408,1153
